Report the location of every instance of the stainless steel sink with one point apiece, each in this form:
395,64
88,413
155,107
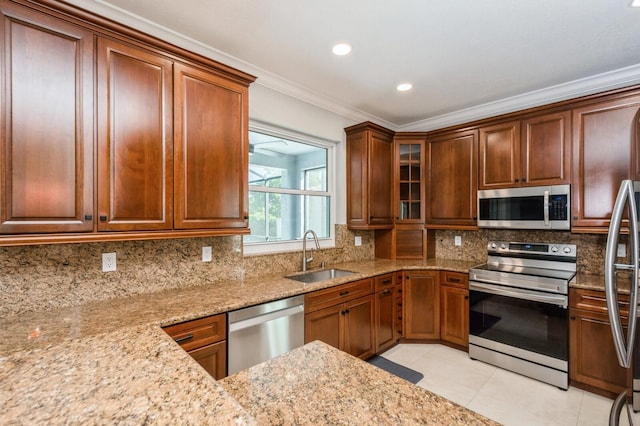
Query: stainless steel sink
321,275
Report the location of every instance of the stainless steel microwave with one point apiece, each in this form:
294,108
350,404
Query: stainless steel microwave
535,207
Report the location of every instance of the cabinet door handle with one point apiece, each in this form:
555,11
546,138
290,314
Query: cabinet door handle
88,217
466,298
183,338
103,218
387,291
573,317
517,180
344,293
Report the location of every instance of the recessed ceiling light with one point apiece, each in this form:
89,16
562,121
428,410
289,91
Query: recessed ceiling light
635,3
341,49
404,87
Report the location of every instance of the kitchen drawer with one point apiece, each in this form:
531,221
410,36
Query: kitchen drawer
201,332
454,279
595,301
382,282
336,295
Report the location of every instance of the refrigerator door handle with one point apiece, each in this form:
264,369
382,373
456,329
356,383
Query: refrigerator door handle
624,347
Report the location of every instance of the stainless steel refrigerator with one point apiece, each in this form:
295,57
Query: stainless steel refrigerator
626,340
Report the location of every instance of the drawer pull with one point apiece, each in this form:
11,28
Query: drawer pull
387,291
183,338
344,293
387,281
454,279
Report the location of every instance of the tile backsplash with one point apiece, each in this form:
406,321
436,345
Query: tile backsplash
34,278
590,247
52,276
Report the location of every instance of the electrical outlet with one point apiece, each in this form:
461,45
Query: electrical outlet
108,262
622,250
457,240
358,241
206,254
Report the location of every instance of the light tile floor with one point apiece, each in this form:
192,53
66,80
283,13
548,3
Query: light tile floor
501,395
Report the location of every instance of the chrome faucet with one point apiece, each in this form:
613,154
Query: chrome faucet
309,259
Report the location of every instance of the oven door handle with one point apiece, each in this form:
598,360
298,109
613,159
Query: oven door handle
560,299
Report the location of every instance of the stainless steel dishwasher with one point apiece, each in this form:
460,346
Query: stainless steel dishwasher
262,332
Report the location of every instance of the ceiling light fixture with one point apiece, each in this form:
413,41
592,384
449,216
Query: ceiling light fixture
635,3
404,87
341,49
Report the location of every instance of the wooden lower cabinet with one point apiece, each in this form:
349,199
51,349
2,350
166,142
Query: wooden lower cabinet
421,304
205,340
385,312
343,317
593,363
212,358
348,326
454,308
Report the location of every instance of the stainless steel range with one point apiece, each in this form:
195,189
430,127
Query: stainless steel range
518,309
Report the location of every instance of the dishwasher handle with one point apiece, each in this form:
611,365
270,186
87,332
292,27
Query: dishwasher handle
251,322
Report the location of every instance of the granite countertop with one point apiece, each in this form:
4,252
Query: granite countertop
307,387
40,329
110,362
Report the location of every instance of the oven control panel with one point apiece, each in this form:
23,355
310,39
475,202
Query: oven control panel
542,249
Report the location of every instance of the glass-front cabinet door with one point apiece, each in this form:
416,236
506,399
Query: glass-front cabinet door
410,188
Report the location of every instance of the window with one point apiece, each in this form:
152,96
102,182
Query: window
289,190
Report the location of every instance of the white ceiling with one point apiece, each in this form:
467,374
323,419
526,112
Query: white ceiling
465,58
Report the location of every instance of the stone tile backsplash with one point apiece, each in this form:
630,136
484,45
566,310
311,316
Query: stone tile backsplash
474,245
52,276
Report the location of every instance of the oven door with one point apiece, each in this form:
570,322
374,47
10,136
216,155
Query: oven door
526,320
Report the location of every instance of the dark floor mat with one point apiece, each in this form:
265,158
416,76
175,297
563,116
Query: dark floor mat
397,369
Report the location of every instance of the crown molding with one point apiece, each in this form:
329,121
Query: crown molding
600,82
622,77
265,78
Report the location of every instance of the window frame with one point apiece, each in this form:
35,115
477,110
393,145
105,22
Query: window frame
255,248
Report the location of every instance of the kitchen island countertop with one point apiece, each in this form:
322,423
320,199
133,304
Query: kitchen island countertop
318,384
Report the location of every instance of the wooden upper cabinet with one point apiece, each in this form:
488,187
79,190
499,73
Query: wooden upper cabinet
452,183
532,152
546,149
604,134
499,156
409,177
211,150
369,177
135,138
47,123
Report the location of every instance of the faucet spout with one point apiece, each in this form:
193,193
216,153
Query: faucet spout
307,259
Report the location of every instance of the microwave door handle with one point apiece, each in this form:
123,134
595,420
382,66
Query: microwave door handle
623,349
546,208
